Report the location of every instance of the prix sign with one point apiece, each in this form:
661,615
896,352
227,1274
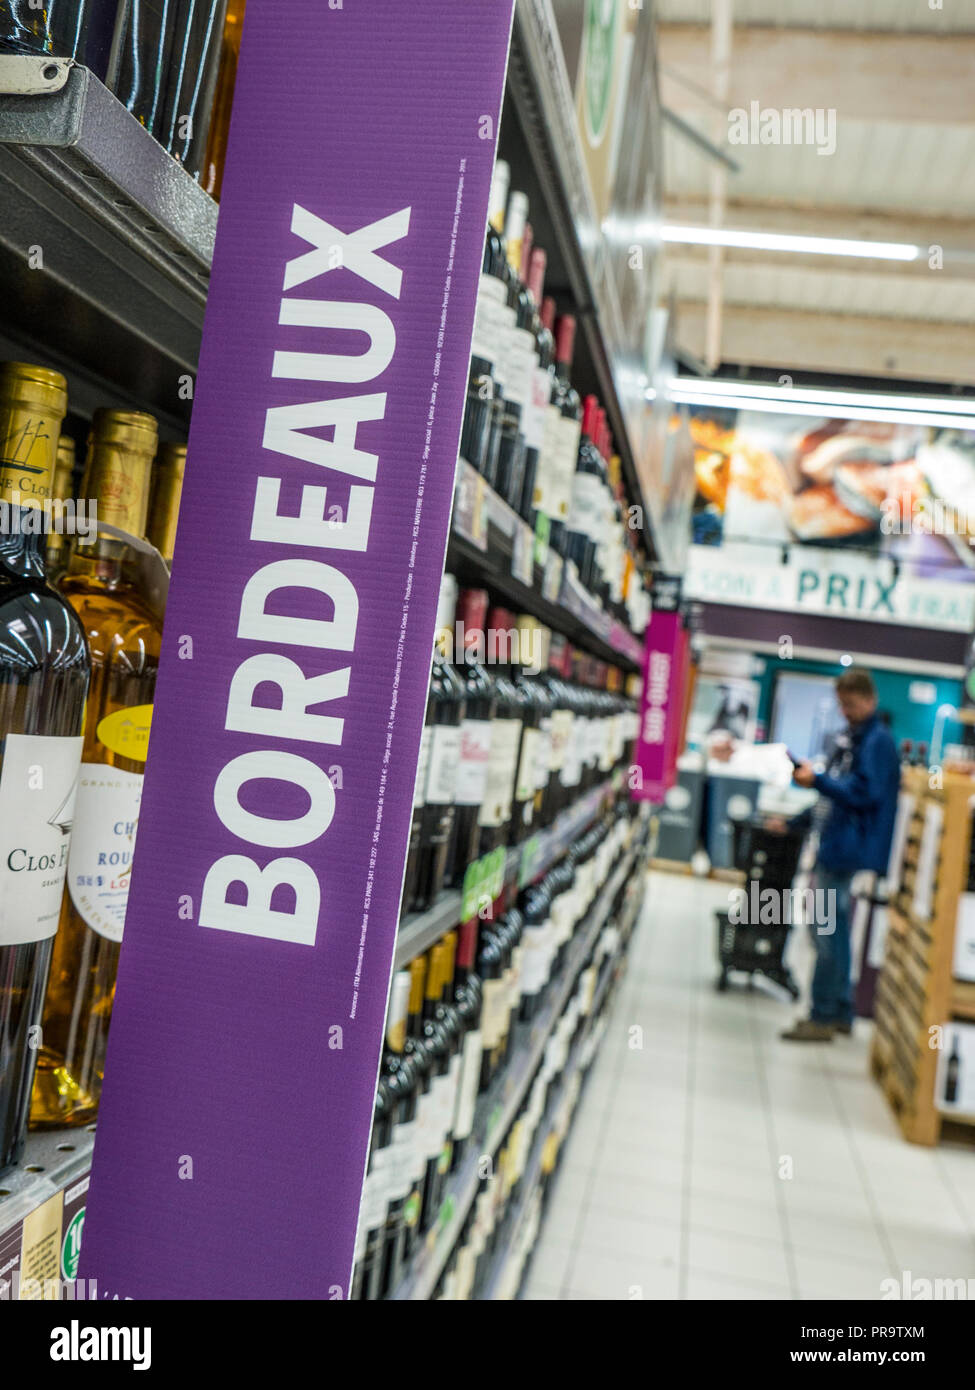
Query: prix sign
842,587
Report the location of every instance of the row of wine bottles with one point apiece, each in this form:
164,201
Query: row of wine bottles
518,726
79,651
450,1030
172,64
546,452
497,1231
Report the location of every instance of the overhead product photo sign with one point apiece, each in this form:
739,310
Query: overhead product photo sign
241,1072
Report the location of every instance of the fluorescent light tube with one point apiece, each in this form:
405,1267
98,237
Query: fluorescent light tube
781,241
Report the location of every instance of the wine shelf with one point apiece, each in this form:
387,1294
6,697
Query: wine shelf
54,1162
533,1168
490,544
125,237
916,991
541,93
421,930
500,1104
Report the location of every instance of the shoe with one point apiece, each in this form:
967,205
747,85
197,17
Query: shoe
807,1030
845,1028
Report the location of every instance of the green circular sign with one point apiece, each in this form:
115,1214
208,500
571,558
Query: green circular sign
600,42
71,1245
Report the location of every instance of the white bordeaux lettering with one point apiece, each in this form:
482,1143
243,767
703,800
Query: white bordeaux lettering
296,716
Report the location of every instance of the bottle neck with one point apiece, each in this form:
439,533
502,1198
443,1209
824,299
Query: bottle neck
102,563
22,542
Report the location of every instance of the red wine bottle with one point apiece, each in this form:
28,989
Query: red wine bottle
475,732
566,450
446,703
468,1003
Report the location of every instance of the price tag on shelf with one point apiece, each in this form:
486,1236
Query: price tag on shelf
552,582
495,872
468,514
522,549
471,891
447,1210
529,858
543,530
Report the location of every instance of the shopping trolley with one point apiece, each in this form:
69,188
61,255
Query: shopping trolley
768,859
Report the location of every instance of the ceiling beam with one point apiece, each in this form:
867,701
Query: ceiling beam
796,341
865,76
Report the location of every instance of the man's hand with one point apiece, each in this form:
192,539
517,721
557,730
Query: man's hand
804,775
777,824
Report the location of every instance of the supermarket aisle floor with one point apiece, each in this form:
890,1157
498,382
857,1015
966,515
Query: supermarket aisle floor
675,1182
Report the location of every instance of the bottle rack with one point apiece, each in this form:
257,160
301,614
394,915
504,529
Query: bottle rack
418,931
116,304
916,990
500,1104
126,238
508,1270
490,544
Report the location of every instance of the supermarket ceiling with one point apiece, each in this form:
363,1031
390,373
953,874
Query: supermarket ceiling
896,162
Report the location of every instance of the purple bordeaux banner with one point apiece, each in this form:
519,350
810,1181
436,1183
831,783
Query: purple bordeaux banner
248,1021
660,705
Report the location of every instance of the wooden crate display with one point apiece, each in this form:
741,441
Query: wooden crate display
916,991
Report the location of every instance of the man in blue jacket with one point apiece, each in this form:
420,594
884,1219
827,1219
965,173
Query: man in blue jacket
861,788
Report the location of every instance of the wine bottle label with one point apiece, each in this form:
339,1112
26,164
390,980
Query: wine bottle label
519,364
545,476
535,405
564,465
585,511
424,1123
604,753
401,1164
422,763
516,955
413,1148
496,807
475,758
442,770
593,742
102,844
525,781
375,1192
561,730
574,754
492,289
486,324
558,919
435,1134
535,958
493,1010
38,786
543,754
506,353
470,1074
504,1006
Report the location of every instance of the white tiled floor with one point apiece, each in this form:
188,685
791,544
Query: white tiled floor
718,1162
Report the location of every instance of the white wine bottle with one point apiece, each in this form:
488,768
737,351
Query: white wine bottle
43,684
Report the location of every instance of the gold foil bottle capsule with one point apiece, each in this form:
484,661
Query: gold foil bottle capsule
33,404
121,447
167,489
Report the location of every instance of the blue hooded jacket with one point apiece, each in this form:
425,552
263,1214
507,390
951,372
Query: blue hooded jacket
860,825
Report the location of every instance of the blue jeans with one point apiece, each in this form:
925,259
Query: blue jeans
831,989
